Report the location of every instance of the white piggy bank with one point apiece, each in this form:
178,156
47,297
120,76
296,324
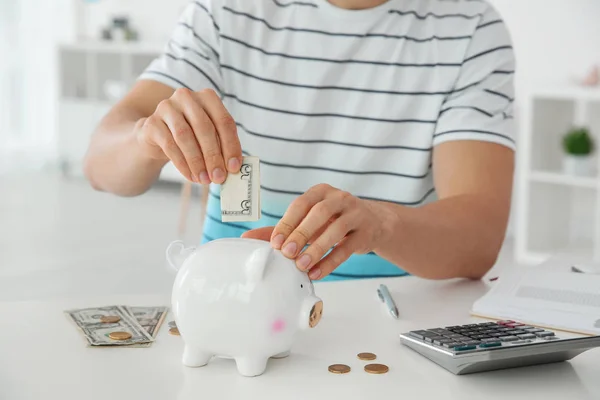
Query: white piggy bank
239,298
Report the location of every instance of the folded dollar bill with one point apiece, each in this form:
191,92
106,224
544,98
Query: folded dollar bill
150,318
97,333
240,193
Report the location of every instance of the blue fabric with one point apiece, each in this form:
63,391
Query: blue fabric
358,266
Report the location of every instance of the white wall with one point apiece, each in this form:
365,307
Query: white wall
553,39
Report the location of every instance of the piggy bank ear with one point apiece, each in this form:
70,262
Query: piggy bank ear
257,263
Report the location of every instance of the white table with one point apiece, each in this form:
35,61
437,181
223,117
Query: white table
42,356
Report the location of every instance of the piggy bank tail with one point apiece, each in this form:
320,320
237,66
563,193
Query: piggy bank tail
177,253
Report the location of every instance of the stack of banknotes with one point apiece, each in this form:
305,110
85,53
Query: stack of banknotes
119,325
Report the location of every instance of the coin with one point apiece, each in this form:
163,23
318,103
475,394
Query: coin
376,368
339,369
366,356
119,335
110,319
174,331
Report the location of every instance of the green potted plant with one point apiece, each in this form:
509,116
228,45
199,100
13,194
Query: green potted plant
578,146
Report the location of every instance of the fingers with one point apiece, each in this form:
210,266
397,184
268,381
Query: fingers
204,133
318,217
161,135
206,136
183,135
259,233
226,129
294,215
340,253
334,234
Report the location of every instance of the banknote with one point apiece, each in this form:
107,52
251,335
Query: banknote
88,320
150,318
240,193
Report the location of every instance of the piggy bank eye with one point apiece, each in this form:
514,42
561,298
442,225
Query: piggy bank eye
301,285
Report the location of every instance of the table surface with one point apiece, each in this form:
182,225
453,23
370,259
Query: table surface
42,355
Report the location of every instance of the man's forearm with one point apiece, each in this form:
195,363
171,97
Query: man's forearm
453,237
114,162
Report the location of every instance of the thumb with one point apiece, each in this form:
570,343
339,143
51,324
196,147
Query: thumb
259,233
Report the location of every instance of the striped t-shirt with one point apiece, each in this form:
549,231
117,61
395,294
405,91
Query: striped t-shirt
357,99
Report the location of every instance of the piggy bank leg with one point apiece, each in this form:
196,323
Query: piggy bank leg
282,354
251,366
193,357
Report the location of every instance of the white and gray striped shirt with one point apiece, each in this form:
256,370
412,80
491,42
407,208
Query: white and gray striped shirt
354,98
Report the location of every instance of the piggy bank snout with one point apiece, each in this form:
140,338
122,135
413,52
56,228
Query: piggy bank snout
316,312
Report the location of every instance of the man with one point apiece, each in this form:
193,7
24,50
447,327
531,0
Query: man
384,129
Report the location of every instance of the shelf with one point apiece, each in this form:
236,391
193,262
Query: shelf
564,91
105,46
584,252
559,220
560,178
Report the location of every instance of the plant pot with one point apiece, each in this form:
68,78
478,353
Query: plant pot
578,165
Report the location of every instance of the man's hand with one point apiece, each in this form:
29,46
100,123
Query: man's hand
195,132
459,235
324,218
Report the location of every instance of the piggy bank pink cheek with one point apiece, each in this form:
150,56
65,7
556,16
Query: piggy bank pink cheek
278,325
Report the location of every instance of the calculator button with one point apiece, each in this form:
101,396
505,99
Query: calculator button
470,326
465,348
490,340
440,342
518,332
440,331
527,336
451,328
421,334
487,324
480,337
505,322
545,334
526,327
472,342
490,344
461,338
434,338
533,330
455,336
509,338
452,345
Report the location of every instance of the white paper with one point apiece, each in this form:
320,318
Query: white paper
546,297
240,193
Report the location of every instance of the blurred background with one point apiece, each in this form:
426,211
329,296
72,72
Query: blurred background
64,62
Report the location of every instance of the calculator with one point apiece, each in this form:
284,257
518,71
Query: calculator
487,346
